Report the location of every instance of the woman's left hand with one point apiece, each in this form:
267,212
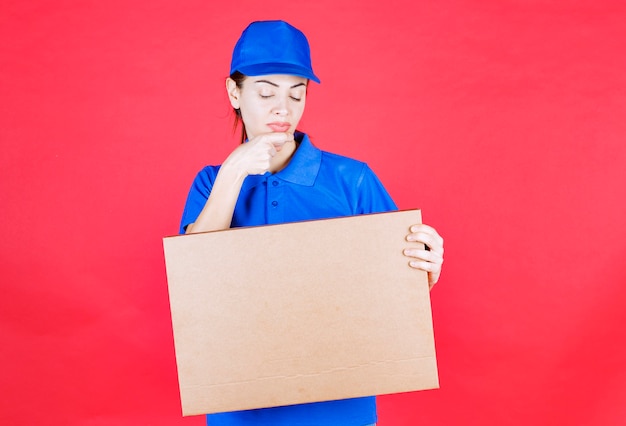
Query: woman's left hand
429,260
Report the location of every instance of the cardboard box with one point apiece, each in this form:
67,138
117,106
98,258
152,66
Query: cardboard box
302,312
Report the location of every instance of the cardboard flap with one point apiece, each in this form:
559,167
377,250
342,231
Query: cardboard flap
301,312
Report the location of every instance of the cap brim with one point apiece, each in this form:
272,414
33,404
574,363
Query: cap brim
266,69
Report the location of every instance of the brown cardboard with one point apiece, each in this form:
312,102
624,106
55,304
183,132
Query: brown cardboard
302,312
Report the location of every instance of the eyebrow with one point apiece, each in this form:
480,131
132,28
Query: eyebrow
276,85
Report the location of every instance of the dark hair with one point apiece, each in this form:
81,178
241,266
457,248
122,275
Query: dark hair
238,78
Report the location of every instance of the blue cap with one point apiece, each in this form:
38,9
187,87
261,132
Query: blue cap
272,47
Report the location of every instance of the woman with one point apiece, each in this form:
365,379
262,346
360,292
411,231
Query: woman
278,176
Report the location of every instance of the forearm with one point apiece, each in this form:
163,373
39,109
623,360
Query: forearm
217,213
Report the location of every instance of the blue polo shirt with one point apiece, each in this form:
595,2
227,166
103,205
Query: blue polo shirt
314,185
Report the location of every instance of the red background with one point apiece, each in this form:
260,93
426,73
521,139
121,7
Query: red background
502,120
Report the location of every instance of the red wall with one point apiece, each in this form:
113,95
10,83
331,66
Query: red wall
502,120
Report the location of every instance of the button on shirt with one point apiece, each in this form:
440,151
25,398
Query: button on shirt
314,185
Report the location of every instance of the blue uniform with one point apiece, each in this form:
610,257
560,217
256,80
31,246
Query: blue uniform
314,185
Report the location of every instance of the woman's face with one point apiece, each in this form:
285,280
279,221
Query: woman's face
269,103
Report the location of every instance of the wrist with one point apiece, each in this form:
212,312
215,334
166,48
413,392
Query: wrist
231,174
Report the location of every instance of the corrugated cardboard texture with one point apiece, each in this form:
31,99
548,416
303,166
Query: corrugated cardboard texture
303,312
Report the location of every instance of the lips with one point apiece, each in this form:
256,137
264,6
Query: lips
279,126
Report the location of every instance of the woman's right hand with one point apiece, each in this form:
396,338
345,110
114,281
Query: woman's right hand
265,152
255,156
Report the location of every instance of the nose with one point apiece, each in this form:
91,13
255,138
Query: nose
281,107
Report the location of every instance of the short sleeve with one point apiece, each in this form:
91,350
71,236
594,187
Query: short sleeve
372,197
198,195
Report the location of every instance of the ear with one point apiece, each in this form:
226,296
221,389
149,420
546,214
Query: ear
233,92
